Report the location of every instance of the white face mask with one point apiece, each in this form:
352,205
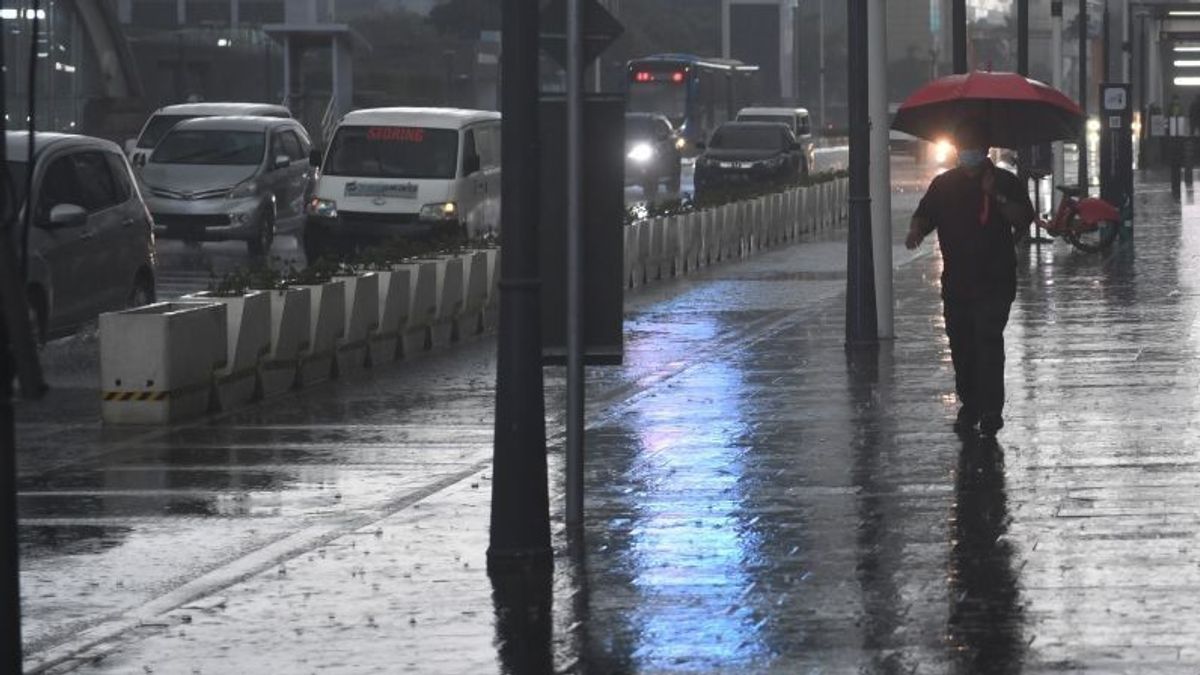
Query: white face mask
971,158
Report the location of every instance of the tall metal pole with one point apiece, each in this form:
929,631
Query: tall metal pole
821,61
520,522
1056,79
861,321
1126,44
1083,91
1023,37
575,372
881,179
1106,46
958,34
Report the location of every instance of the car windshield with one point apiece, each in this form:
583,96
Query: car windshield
748,137
393,152
777,119
210,146
157,127
664,98
637,128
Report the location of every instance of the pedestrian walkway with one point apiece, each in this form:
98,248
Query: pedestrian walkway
757,500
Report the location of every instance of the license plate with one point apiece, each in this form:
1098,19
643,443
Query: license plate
397,190
737,165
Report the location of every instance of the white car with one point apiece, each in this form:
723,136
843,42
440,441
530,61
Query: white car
91,246
406,172
164,119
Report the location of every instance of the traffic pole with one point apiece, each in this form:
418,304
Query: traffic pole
880,167
575,372
520,519
861,319
1083,92
958,34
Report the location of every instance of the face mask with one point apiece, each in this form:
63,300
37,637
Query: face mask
971,158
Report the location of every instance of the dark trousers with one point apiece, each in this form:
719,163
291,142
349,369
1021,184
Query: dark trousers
976,331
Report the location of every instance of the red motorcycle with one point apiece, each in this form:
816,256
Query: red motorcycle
1088,223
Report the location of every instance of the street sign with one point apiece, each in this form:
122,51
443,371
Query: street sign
600,29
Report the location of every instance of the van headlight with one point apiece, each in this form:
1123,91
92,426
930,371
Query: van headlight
439,211
325,208
641,153
244,190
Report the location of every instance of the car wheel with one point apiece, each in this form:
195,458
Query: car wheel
142,292
261,243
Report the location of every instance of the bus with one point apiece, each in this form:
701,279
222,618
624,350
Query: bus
697,94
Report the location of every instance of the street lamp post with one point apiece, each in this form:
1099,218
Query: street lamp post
861,318
1083,92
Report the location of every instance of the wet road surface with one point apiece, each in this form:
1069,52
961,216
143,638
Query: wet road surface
757,502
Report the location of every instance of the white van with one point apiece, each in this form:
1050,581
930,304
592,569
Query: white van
796,119
406,172
164,119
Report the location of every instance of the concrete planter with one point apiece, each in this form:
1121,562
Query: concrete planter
671,253
730,234
291,310
704,221
158,362
450,298
843,197
247,344
491,311
629,250
694,241
415,337
394,304
658,247
475,283
641,268
326,325
361,297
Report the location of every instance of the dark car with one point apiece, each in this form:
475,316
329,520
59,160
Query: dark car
652,152
744,154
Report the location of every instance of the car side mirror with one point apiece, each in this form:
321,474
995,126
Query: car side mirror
471,164
130,146
66,215
282,161
314,158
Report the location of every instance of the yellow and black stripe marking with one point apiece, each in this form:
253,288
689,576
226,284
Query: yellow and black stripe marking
124,396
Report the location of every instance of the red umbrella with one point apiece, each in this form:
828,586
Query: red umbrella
1015,110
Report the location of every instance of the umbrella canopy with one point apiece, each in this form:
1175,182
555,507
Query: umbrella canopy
1014,110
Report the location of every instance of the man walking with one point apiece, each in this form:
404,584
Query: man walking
979,212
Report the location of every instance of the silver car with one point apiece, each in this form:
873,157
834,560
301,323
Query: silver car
222,178
90,247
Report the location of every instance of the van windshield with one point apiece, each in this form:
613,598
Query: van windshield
210,146
393,152
778,119
748,137
157,127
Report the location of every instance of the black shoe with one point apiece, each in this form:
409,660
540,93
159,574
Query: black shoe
991,423
966,421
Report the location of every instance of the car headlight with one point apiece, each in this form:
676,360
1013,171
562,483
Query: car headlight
642,152
680,143
439,211
244,190
325,208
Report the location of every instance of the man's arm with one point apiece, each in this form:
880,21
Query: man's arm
1015,207
922,224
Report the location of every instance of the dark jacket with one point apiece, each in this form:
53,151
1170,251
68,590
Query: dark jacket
977,243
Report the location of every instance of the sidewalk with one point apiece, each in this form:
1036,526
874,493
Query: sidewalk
756,503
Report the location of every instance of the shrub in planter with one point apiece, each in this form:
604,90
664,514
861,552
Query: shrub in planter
158,362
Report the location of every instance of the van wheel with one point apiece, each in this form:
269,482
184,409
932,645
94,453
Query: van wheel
261,243
142,292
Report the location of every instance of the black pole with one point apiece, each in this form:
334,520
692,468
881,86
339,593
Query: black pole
862,328
1106,47
1023,37
1083,92
520,525
958,34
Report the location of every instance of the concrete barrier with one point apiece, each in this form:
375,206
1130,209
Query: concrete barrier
394,299
248,342
362,318
327,324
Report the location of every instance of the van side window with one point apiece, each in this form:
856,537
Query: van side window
470,149
487,142
804,127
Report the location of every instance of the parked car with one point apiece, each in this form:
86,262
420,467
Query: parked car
164,119
796,119
652,152
406,172
223,178
90,248
748,153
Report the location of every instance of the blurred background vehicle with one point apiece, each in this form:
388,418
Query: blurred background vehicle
222,178
90,247
164,119
796,119
652,153
748,154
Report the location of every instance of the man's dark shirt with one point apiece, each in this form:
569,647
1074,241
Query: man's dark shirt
978,258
